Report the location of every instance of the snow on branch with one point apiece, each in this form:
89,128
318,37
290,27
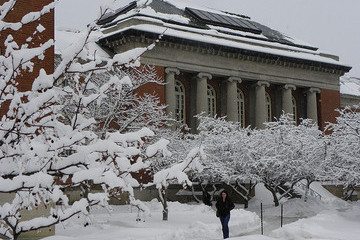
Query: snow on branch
178,171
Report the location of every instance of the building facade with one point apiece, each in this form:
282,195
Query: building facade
224,64
32,35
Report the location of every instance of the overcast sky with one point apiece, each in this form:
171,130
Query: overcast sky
331,25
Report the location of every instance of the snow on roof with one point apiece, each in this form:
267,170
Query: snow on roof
350,85
175,11
66,37
218,39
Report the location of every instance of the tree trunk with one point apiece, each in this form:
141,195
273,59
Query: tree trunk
163,200
251,187
193,194
16,236
349,192
273,192
165,210
308,182
206,197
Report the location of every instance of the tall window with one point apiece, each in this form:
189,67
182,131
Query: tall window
211,96
268,107
240,107
179,102
294,109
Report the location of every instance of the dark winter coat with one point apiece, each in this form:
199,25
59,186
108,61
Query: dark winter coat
224,208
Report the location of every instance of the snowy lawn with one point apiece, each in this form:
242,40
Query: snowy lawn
193,221
185,222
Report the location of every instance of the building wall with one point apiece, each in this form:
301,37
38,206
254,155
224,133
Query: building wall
151,88
21,8
191,60
25,79
328,102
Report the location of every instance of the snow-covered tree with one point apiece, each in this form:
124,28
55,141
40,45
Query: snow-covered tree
226,145
343,159
124,109
175,173
44,150
281,154
284,153
312,154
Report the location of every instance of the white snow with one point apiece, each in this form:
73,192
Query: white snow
195,222
65,38
350,86
218,39
159,146
326,225
185,222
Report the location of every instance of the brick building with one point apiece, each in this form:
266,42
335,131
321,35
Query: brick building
226,64
32,34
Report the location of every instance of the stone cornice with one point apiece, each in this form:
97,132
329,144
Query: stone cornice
202,48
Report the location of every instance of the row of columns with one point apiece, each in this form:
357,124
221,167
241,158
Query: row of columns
231,107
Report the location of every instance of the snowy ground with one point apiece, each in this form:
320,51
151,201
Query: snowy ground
325,219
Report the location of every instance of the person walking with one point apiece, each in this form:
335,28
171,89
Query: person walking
223,207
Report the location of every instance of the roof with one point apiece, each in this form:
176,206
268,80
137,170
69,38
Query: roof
350,86
64,38
181,19
182,12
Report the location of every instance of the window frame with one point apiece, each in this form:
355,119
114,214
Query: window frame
240,106
211,100
268,107
180,102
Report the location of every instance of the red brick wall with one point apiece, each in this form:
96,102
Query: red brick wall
329,101
21,8
153,88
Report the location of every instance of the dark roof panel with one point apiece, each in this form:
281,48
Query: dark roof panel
108,17
223,20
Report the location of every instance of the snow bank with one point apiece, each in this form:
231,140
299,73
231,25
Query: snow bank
327,225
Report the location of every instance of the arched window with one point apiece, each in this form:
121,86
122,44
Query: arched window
179,102
240,107
211,96
294,109
268,107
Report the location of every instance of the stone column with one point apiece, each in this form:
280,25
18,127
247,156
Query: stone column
170,90
312,104
231,99
201,93
287,105
260,111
